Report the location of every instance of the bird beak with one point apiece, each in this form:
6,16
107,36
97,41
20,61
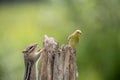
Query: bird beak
80,32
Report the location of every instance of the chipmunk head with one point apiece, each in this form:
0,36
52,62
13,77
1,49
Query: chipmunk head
30,49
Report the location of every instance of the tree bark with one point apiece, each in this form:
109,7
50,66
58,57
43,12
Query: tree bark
57,63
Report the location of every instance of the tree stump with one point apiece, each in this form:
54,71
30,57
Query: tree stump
57,63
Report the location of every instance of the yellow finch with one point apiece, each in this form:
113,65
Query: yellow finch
74,38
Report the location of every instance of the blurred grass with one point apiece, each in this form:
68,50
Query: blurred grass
98,55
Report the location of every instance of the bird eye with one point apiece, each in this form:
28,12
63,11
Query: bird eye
78,32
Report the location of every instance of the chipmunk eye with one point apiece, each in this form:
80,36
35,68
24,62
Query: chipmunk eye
30,47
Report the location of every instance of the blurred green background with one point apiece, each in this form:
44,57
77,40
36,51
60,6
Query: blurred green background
23,22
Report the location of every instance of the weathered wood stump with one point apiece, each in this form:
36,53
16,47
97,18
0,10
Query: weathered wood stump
57,63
